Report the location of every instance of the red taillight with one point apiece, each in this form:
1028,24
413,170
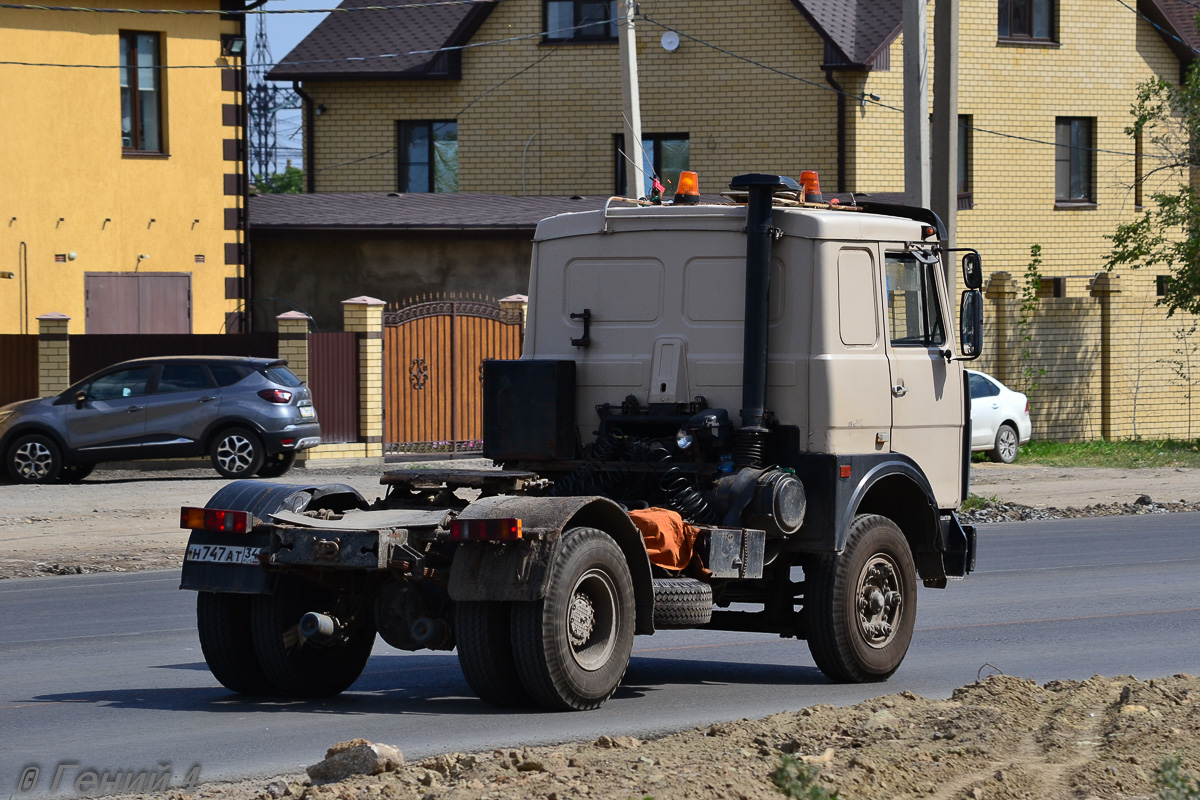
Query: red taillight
214,519
275,395
485,530
1027,408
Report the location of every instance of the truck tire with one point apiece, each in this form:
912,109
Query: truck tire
572,646
236,453
681,603
223,622
860,606
295,666
1004,451
485,653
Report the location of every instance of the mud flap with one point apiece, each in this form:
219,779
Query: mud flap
958,557
218,562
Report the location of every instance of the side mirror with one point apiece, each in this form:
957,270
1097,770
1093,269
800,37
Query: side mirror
970,325
972,269
80,399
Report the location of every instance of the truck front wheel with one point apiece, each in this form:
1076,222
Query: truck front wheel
860,607
572,646
300,667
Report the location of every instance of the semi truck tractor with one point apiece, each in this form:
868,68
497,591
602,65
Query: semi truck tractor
746,413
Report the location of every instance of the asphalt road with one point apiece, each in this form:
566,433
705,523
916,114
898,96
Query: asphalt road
105,672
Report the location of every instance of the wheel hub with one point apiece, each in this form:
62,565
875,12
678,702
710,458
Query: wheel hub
879,600
235,453
582,620
32,460
593,619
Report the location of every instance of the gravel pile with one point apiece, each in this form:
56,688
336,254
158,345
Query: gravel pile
993,511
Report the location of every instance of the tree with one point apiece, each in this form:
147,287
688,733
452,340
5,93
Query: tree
290,181
1166,121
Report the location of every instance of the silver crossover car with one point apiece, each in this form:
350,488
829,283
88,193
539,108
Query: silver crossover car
249,415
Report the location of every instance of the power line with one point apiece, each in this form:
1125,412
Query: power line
244,11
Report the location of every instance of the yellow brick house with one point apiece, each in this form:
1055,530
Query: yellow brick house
522,97
122,195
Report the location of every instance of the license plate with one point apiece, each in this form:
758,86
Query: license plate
222,554
306,411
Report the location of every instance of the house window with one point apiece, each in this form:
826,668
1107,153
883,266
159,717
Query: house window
965,198
1139,178
580,20
1073,160
141,92
663,154
428,156
1027,19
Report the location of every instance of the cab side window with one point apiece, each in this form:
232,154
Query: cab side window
914,316
122,383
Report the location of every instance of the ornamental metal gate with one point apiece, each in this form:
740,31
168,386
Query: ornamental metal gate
433,356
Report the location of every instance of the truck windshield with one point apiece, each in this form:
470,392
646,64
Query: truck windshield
914,316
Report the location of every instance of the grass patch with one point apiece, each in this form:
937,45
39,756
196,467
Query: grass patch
1124,454
974,502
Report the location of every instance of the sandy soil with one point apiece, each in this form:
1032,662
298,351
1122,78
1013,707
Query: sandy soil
1002,738
119,520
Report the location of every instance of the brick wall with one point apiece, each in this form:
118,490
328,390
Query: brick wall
1109,356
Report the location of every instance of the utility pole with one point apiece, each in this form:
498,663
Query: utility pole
945,125
630,100
916,105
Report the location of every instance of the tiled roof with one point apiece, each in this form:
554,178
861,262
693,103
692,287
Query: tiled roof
395,33
1175,21
858,29
417,211
414,211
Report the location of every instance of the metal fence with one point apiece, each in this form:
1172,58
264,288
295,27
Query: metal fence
333,375
18,367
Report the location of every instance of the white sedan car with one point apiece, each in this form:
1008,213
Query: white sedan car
999,417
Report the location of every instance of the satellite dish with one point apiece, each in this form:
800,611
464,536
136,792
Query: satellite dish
670,41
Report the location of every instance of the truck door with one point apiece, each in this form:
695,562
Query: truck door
927,404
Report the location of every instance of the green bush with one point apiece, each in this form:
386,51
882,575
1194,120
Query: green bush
795,779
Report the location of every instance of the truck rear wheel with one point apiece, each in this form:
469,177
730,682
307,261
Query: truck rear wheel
572,646
301,667
485,653
223,623
860,607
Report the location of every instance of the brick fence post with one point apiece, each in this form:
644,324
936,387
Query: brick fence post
1001,290
293,342
54,354
1106,287
364,316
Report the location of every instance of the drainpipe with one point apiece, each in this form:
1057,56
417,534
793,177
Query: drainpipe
841,130
310,178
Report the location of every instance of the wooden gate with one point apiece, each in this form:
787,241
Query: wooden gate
433,371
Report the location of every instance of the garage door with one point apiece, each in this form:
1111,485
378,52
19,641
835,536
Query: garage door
132,302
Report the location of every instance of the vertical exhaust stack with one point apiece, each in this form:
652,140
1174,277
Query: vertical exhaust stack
751,437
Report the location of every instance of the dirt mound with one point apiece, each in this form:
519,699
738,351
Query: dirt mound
999,739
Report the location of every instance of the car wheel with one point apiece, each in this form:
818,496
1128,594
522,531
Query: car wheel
237,453
1005,449
34,458
860,607
276,465
74,473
